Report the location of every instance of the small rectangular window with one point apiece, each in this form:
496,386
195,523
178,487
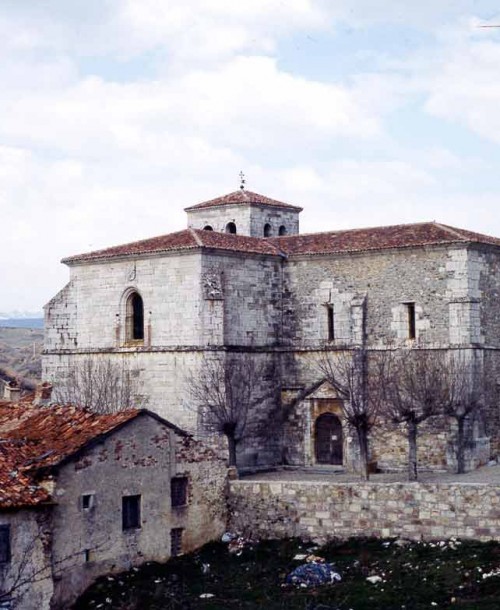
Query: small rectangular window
178,491
330,322
87,501
4,543
131,512
176,541
410,308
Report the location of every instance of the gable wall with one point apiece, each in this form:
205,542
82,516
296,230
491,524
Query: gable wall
140,458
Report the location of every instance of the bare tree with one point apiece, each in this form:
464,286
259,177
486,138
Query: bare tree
418,386
227,388
471,392
355,375
100,385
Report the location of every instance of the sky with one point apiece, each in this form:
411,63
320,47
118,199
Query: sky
118,114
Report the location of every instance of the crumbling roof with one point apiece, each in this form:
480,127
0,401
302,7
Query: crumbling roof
189,239
35,438
378,238
242,197
17,487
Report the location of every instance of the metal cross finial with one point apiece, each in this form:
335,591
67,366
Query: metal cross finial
242,181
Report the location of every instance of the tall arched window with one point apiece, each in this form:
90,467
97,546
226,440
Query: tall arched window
282,230
230,227
267,230
135,317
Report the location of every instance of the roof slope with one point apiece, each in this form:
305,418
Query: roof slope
242,197
378,238
351,240
33,437
189,239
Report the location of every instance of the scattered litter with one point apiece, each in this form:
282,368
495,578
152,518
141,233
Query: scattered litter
313,575
374,579
314,559
300,557
206,595
205,568
227,537
237,545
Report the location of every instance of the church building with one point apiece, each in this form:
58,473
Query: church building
241,279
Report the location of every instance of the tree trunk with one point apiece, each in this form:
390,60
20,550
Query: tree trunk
363,452
412,450
231,441
461,445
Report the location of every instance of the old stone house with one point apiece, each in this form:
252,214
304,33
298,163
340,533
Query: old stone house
83,494
241,279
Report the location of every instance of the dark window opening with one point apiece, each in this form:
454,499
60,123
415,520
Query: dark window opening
331,322
176,541
86,555
282,230
230,227
178,491
87,501
267,230
410,308
207,228
4,543
131,512
135,318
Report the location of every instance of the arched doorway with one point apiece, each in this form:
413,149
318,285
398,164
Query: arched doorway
328,440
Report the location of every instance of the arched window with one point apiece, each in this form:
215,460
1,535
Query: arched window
282,230
230,227
267,230
207,228
135,317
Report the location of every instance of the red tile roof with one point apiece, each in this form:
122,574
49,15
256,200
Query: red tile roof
17,488
189,239
242,197
378,238
33,438
352,240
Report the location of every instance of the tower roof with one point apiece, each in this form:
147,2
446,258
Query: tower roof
242,197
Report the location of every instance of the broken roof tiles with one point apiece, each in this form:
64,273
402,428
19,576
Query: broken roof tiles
242,197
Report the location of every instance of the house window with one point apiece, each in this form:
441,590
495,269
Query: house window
87,501
330,322
135,317
131,512
4,543
267,230
230,227
176,541
282,230
178,491
410,311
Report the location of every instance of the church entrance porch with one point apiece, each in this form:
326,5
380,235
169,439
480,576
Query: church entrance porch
328,440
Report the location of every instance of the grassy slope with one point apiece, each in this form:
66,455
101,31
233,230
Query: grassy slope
415,576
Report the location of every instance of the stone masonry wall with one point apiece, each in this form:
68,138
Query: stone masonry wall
320,511
249,220
138,459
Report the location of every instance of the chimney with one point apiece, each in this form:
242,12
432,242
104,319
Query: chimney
43,394
12,391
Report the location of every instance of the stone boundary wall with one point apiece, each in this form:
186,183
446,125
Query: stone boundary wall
320,511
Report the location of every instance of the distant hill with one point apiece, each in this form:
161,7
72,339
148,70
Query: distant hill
21,322
20,351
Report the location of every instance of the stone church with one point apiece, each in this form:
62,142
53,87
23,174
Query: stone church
241,279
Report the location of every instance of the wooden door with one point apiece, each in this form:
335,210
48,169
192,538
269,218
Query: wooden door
328,440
